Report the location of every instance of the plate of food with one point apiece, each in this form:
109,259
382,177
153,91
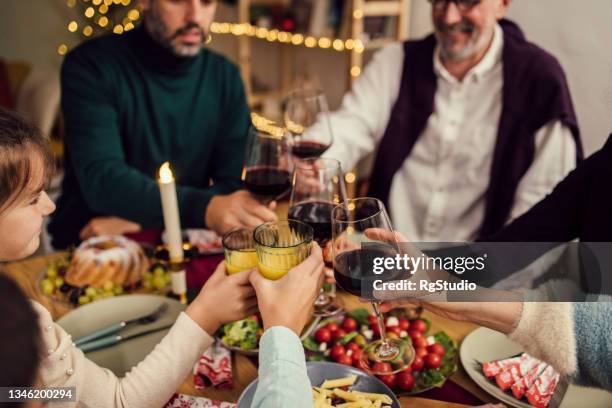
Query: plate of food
335,384
342,338
501,368
100,268
242,336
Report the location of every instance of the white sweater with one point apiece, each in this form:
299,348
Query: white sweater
150,384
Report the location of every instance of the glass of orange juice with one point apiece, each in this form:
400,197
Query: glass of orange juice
239,251
281,245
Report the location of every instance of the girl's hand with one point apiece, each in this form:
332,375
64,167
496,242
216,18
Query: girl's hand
223,299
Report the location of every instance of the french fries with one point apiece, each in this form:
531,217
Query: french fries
330,389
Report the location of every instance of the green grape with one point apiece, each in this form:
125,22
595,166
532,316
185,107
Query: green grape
52,271
95,298
159,271
118,290
47,286
58,282
84,299
148,276
147,284
107,295
168,277
159,282
91,292
108,286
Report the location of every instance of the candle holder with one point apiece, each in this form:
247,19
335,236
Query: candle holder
176,268
179,280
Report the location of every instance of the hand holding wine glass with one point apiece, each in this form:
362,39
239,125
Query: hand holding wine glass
354,252
307,118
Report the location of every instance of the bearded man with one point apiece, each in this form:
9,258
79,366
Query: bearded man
473,124
134,101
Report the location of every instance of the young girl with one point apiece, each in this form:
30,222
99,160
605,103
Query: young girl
24,167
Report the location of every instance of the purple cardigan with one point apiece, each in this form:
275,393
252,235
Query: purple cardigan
535,92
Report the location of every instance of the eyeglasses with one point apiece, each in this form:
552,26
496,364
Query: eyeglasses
462,5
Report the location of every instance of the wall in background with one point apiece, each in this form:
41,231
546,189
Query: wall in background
576,32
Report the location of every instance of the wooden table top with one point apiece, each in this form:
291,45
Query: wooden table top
26,274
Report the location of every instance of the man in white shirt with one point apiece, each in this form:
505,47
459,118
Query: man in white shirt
473,124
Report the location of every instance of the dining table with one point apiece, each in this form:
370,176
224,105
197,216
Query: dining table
458,388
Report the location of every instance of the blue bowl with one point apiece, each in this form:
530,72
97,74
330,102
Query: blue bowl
319,371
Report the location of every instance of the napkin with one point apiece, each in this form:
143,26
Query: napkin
189,401
214,368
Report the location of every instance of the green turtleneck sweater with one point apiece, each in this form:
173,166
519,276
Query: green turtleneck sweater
130,105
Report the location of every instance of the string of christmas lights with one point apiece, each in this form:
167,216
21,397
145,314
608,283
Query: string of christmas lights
105,15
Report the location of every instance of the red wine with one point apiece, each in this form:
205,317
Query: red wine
317,214
267,181
353,271
306,148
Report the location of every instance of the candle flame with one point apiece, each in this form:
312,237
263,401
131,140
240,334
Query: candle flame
165,174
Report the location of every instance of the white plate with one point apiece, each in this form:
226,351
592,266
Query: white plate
125,355
484,344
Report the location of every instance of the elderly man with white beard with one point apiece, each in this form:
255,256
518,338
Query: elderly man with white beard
472,125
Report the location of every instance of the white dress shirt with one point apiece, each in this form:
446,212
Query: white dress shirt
438,195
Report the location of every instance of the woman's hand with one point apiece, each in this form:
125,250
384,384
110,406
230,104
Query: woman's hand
289,300
223,299
500,316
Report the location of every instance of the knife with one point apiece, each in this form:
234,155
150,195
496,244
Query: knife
108,341
117,327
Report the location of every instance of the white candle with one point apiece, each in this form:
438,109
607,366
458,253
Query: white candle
167,189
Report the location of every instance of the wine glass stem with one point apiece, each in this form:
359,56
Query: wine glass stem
385,349
323,299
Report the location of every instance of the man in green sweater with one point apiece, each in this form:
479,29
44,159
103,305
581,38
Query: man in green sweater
134,101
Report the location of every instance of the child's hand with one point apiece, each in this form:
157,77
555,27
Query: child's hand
288,301
223,299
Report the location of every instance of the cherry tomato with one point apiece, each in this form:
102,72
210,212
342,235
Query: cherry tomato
356,356
419,325
433,360
360,364
389,379
421,352
405,380
420,342
349,324
414,334
394,329
404,324
337,351
417,364
322,335
381,367
437,348
372,319
338,334
332,326
352,346
346,360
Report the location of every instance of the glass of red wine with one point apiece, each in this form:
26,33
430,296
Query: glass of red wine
268,163
361,232
307,118
318,187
